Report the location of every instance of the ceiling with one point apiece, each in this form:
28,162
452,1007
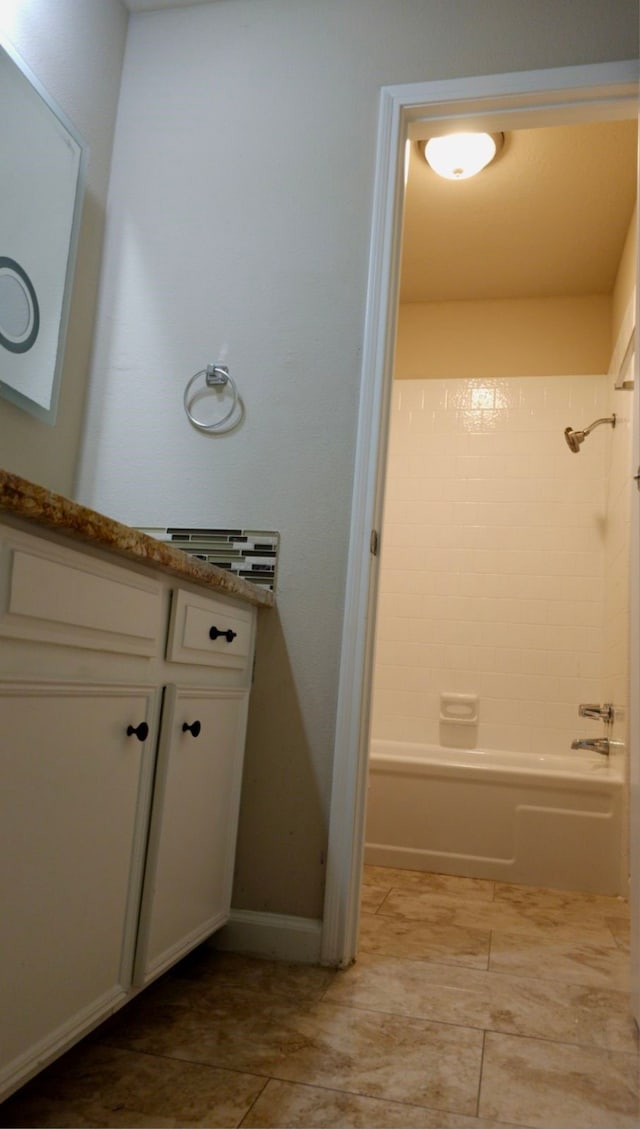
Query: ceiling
155,5
548,217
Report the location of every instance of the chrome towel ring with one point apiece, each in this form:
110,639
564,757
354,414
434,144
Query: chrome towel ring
215,376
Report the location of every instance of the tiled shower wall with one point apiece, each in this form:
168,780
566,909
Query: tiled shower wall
493,561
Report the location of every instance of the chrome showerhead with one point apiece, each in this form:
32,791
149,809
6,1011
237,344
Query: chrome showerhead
576,438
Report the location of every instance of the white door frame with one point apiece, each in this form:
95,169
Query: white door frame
634,668
499,102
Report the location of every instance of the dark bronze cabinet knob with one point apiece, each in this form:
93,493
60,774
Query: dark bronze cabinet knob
140,731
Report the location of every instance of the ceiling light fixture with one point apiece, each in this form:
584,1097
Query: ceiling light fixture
458,156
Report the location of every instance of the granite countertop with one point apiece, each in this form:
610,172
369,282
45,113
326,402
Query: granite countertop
45,508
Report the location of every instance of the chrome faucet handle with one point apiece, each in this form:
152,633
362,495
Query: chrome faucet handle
600,745
597,712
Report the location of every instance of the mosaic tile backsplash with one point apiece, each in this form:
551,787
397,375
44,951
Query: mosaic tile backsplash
249,553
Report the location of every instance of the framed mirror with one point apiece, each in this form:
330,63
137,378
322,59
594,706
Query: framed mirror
42,172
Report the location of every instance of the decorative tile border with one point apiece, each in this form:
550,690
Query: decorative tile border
249,553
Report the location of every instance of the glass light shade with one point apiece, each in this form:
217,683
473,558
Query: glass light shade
460,155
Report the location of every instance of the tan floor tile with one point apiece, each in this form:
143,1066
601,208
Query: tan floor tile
221,999
488,1000
621,933
574,903
285,1105
440,909
388,876
206,966
382,1056
583,962
396,1040
553,1086
103,1086
372,897
451,944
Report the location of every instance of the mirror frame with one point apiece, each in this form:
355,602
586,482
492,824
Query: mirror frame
60,266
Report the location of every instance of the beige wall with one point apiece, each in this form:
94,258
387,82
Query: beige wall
75,48
503,337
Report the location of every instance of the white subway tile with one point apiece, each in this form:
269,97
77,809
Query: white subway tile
532,394
404,703
549,740
418,679
590,665
398,653
507,738
401,580
508,660
575,587
574,613
557,664
396,604
392,653
412,729
487,504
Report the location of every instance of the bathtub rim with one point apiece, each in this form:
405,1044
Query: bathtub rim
413,758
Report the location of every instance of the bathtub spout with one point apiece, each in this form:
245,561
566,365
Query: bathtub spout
593,744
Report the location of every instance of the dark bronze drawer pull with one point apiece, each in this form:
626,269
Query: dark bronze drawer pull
229,635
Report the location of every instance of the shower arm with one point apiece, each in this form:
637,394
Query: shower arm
597,422
575,438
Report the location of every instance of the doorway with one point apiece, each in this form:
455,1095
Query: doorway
602,92
502,600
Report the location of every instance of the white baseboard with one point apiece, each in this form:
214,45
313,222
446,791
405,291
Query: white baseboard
273,935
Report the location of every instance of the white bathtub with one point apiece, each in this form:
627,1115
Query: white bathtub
540,820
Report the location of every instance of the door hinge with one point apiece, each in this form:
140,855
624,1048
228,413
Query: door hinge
636,478
373,543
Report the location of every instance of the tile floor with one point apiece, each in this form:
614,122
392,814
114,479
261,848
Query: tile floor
472,1003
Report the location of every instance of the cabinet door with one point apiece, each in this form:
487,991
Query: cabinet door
73,809
189,872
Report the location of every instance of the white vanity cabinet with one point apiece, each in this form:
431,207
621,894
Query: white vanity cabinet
193,829
189,871
71,813
123,704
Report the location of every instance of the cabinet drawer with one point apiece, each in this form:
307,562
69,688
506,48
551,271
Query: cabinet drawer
209,632
56,595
